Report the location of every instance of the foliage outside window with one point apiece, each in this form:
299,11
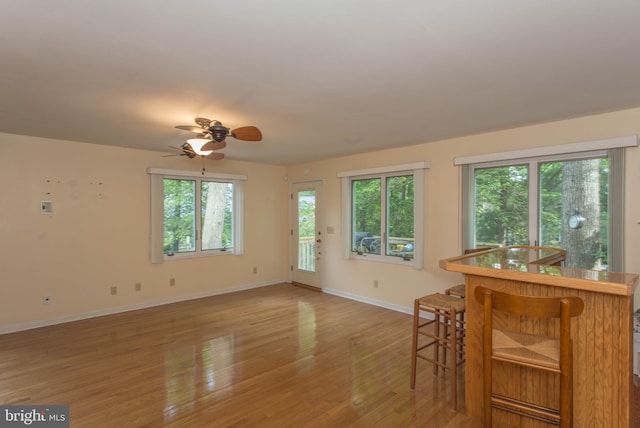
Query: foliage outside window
182,197
501,206
194,215
384,212
307,230
531,202
383,216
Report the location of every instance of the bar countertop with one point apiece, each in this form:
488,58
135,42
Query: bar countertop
602,335
536,265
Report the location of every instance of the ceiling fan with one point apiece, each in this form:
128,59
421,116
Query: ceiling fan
211,136
206,151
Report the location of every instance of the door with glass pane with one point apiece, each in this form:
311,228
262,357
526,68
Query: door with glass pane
561,202
306,233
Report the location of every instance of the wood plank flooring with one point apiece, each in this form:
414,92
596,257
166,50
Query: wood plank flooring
277,356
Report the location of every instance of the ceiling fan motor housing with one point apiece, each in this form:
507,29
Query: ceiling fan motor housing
218,132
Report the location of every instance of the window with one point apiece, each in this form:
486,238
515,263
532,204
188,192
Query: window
195,215
383,212
571,200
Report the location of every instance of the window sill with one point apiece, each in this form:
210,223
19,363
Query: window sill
199,255
384,259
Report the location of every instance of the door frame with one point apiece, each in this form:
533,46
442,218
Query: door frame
293,245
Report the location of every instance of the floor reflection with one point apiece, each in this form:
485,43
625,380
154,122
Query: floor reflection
306,337
196,369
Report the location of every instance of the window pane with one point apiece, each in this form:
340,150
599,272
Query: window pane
576,188
307,230
501,206
400,216
179,216
217,215
366,228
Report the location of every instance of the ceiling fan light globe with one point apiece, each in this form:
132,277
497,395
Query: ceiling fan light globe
197,143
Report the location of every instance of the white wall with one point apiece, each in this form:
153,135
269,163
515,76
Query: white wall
98,234
398,285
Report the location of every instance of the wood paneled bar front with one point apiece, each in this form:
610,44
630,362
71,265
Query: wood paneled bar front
602,336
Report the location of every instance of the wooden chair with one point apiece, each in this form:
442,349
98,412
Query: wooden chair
447,333
553,354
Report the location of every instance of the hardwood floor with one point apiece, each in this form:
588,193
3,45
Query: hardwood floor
277,356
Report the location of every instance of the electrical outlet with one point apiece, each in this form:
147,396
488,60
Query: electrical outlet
172,281
375,283
138,286
46,300
114,291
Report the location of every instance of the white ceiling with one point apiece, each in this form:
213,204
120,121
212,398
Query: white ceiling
319,78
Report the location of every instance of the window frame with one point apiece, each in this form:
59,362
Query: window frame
156,240
348,177
615,195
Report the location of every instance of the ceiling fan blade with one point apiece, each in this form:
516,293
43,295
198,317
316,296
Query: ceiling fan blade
203,122
215,156
188,151
213,145
190,128
247,133
186,147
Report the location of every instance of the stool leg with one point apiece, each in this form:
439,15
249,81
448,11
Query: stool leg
446,326
454,359
566,393
461,337
438,343
414,344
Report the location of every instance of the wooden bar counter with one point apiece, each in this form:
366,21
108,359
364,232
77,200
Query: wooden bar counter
602,335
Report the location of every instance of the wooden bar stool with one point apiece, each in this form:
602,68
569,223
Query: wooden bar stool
459,290
456,290
549,353
448,334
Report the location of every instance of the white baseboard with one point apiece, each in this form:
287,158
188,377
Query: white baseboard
116,310
369,301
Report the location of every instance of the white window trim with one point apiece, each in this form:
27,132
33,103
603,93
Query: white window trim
583,146
156,233
415,168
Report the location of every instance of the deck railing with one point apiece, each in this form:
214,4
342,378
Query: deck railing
307,250
307,253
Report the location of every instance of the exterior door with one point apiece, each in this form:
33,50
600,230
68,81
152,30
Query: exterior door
306,232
